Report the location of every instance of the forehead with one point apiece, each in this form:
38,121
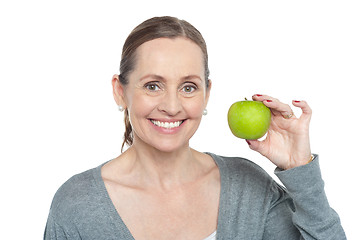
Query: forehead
170,56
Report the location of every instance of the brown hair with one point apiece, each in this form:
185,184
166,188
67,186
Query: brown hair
157,27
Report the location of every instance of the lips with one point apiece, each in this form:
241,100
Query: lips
168,124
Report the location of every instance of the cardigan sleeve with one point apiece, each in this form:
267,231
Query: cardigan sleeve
53,231
302,211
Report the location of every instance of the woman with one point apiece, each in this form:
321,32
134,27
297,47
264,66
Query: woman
160,188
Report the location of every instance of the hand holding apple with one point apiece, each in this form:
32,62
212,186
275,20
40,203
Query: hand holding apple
287,144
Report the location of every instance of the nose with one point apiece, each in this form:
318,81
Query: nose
171,103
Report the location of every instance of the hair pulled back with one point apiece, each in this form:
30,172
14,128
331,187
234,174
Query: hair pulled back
157,27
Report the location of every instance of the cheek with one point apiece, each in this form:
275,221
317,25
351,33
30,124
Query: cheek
139,110
141,106
194,108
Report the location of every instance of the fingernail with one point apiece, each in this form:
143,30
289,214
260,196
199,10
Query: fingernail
248,142
268,100
296,101
259,95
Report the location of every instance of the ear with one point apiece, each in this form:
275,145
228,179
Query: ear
208,90
118,91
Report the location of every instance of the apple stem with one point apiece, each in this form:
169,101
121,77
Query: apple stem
246,99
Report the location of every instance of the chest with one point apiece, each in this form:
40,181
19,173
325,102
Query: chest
185,213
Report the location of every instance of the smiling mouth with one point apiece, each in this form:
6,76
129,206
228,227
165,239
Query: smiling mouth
168,125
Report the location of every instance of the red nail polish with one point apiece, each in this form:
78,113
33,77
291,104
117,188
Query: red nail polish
259,95
248,142
296,101
268,100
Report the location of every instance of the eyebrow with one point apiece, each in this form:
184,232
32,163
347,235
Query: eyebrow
153,76
160,78
192,77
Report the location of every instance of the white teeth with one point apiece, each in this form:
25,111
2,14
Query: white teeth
166,124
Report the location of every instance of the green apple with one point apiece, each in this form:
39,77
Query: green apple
249,119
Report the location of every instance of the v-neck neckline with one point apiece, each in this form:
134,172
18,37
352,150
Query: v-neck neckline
122,227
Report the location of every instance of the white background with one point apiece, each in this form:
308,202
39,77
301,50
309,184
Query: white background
58,117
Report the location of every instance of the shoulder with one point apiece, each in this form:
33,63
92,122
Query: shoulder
240,167
241,172
75,195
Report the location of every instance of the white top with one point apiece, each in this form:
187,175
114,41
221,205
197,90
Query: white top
212,236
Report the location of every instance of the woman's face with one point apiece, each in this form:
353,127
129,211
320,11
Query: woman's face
166,94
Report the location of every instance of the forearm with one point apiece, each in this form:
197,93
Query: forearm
313,216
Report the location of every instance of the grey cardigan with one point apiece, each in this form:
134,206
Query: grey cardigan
252,205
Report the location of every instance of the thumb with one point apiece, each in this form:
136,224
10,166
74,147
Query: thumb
255,145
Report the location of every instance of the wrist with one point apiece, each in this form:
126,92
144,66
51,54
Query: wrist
300,163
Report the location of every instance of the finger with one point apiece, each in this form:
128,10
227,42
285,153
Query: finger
256,145
262,97
306,109
279,108
267,100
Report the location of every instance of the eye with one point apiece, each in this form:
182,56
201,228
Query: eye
152,86
189,88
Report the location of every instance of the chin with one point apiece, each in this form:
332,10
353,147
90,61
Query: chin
168,147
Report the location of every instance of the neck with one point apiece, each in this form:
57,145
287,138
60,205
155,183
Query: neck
164,170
